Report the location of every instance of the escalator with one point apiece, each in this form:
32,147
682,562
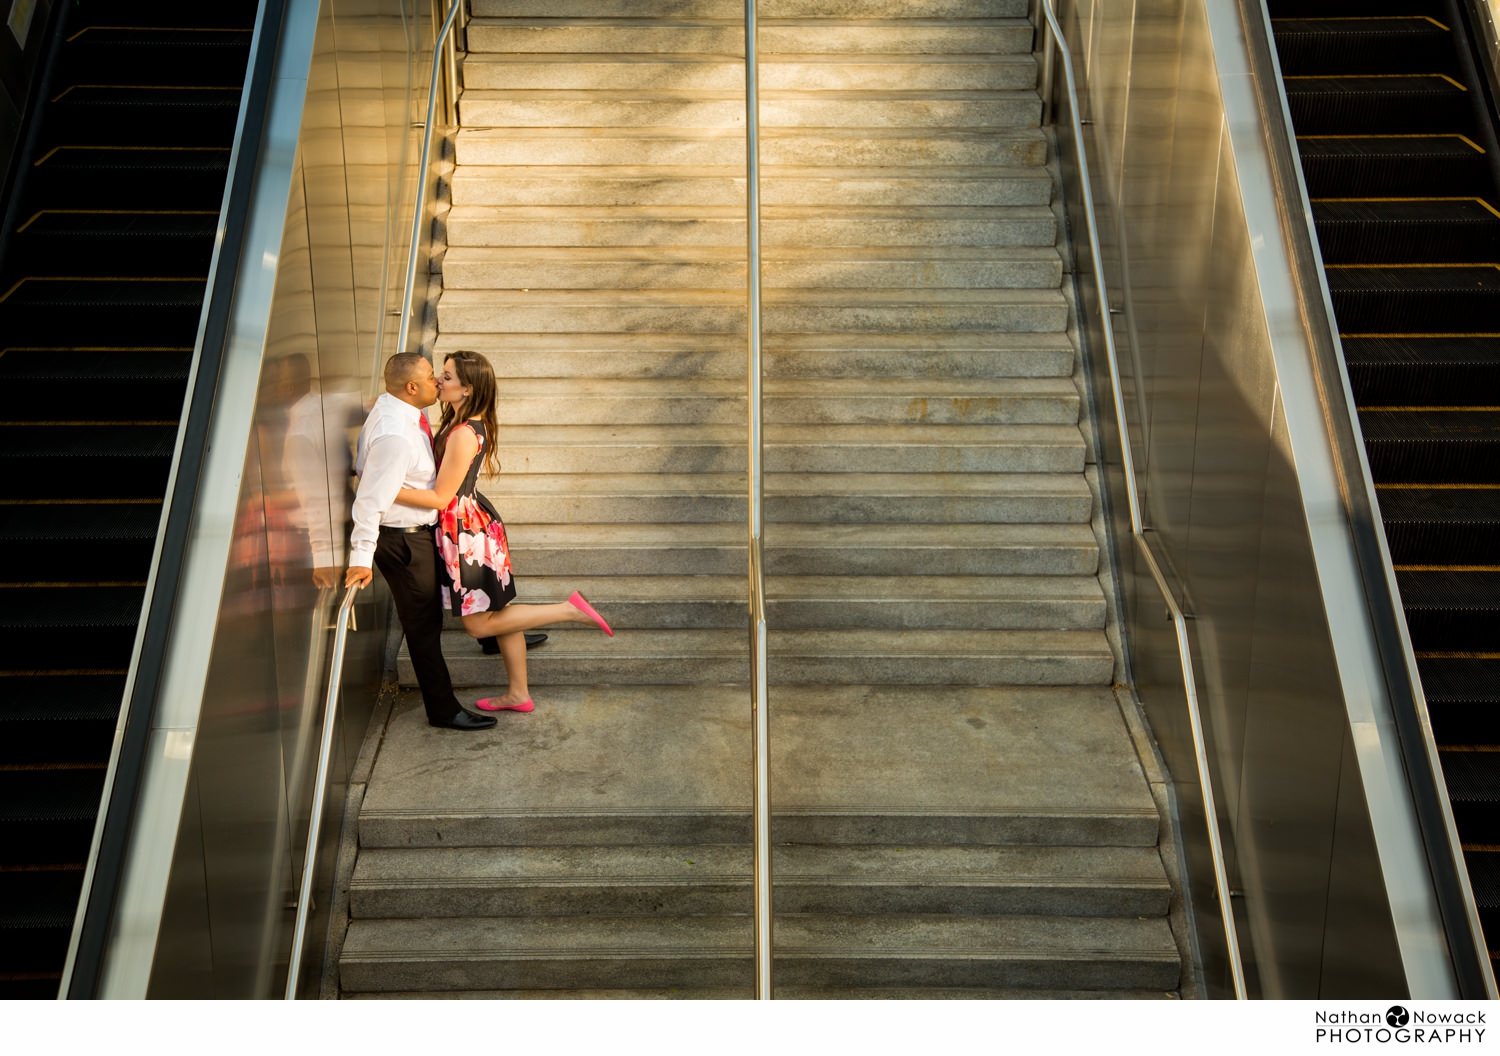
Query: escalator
110,229
1395,129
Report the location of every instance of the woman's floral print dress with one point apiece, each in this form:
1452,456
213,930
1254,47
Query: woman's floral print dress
471,542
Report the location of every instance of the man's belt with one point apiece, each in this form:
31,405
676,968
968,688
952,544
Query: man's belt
409,530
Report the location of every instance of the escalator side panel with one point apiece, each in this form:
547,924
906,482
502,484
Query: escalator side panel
1412,258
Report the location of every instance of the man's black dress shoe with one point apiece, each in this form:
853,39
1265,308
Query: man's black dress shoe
491,646
465,721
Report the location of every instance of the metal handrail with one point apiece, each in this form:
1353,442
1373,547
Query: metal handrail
419,212
1137,526
343,624
759,712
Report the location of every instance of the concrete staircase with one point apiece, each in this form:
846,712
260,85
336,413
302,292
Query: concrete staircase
959,808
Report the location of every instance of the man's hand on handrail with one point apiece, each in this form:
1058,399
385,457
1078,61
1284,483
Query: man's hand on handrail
358,577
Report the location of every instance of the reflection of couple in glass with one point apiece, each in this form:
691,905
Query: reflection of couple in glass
439,543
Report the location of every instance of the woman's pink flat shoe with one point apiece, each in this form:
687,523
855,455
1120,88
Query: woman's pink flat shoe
578,602
487,704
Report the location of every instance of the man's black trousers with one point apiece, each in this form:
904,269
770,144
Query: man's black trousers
409,563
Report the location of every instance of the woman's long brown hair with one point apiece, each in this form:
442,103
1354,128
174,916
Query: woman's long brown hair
473,370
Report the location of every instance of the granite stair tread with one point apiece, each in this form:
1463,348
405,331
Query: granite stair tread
917,354
657,880
733,9
484,951
783,993
627,549
611,766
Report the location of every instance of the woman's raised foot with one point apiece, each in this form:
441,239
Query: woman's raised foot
579,602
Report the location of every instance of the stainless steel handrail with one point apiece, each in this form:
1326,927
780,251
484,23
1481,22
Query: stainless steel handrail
1137,526
759,716
419,213
343,624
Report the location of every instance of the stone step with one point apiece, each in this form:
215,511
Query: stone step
783,993
725,36
716,73
829,401
630,185
735,9
542,108
658,881
726,146
793,603
811,950
804,549
636,657
714,268
720,312
794,449
792,226
918,355
612,765
817,498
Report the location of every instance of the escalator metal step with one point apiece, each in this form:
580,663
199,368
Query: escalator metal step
57,627
80,178
1422,370
1420,298
1415,231
136,116
58,719
121,245
1457,526
47,816
1392,166
1348,8
237,14
1424,103
118,536
1484,880
1473,780
63,461
103,385
1432,446
36,918
115,54
1363,44
103,311
1455,611
1463,698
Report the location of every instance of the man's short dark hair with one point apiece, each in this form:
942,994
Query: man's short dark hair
401,368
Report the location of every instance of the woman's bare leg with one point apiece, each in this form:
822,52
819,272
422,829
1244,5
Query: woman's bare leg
515,617
513,652
517,696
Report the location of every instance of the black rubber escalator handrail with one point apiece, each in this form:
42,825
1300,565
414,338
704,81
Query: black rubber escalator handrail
1466,949
31,124
158,612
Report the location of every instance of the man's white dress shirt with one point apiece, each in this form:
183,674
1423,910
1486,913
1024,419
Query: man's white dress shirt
393,454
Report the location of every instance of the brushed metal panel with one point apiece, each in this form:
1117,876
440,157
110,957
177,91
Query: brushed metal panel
185,948
1359,958
227,922
1294,728
1241,510
1222,559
